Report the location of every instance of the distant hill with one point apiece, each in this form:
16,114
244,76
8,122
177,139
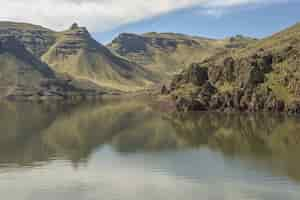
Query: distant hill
167,53
71,54
264,75
36,39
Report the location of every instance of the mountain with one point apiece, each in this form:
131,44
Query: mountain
236,73
167,53
36,39
75,52
264,75
24,76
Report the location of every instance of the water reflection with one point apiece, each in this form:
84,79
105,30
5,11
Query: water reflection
36,134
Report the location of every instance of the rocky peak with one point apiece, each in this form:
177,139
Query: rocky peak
77,31
74,26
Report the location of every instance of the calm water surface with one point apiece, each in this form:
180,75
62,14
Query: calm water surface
126,150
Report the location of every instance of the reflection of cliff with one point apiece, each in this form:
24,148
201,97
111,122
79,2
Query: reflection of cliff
77,134
258,137
20,127
31,133
127,126
239,132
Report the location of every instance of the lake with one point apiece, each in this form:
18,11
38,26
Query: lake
128,150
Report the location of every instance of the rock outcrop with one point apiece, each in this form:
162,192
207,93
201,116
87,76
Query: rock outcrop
261,77
193,91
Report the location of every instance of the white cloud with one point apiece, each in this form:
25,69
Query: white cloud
100,15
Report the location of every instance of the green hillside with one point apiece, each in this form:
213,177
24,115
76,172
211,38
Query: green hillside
23,76
168,53
78,54
262,76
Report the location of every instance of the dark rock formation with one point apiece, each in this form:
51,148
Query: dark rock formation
130,43
74,26
250,91
196,75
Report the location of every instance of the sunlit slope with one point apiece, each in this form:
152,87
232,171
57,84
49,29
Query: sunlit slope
78,54
264,75
25,76
75,53
278,60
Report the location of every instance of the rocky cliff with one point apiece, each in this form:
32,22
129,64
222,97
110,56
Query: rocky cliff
262,76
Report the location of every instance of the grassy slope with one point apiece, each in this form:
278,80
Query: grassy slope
166,60
287,69
90,60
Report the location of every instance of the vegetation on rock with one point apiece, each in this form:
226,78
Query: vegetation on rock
262,76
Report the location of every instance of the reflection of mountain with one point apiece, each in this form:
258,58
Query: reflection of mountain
234,133
75,131
33,133
260,137
20,127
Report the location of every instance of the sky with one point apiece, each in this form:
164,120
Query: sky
107,18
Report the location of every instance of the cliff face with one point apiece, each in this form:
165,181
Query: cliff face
263,76
166,53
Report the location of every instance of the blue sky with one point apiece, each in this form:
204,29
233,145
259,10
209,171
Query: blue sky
252,20
107,18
